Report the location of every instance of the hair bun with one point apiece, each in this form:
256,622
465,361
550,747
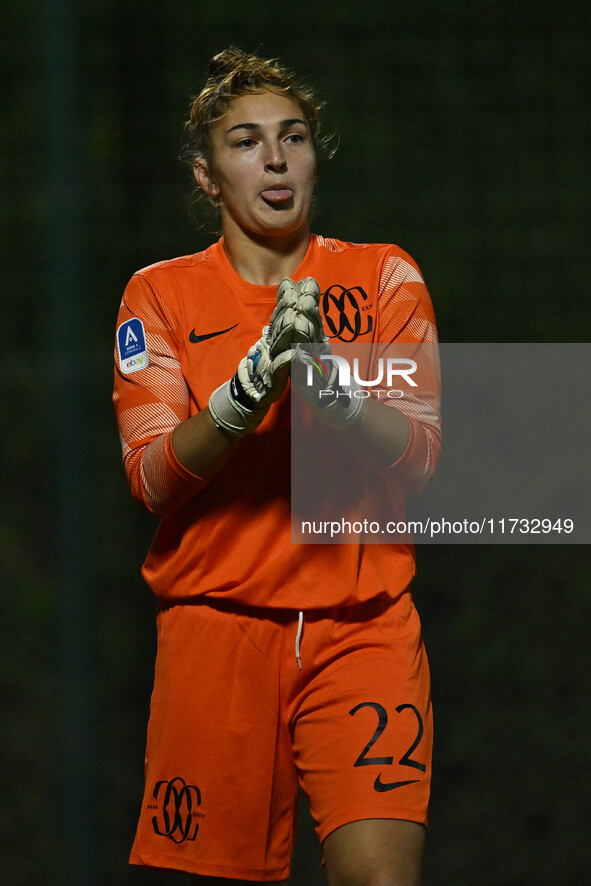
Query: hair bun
225,62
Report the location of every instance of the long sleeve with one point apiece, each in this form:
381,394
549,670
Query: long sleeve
151,401
407,329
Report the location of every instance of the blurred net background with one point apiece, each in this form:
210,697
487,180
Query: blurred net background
465,138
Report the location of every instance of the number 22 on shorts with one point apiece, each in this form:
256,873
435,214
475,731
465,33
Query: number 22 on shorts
405,760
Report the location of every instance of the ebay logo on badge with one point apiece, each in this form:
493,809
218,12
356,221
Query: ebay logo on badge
131,342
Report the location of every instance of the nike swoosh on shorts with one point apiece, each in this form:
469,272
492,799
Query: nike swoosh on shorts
193,337
381,787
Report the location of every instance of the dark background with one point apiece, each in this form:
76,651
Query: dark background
465,138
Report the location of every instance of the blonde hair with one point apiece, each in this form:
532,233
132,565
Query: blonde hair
234,73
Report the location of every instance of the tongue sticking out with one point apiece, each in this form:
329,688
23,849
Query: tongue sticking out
277,195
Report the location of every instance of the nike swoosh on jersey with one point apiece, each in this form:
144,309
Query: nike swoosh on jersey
193,337
381,787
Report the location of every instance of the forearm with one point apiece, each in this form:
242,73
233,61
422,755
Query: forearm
380,437
200,446
205,441
165,473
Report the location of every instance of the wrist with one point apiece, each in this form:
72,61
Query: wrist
233,411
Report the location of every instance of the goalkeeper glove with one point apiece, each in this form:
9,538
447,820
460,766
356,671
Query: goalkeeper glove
297,318
239,405
334,404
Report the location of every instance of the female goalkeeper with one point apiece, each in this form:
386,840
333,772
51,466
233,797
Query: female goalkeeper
279,665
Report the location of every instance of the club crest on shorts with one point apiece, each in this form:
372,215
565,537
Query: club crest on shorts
131,342
177,810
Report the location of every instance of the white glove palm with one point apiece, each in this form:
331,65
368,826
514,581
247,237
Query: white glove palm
297,318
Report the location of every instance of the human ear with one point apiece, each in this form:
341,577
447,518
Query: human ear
205,179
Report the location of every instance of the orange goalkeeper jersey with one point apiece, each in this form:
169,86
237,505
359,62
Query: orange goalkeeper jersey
183,327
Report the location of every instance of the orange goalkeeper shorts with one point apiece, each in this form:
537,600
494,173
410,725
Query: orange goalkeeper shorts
248,704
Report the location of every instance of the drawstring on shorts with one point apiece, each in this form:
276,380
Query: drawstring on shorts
299,638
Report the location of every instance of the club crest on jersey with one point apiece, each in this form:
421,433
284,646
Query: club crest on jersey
131,341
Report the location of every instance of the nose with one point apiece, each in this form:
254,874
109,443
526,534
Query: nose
275,158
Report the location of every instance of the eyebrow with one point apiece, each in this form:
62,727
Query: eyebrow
284,124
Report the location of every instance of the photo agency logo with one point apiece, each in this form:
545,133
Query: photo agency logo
332,375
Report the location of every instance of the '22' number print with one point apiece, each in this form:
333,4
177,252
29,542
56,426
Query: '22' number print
405,760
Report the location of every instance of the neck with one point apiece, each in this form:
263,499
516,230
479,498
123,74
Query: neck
265,261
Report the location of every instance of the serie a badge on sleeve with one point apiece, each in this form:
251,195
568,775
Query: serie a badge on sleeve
131,341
